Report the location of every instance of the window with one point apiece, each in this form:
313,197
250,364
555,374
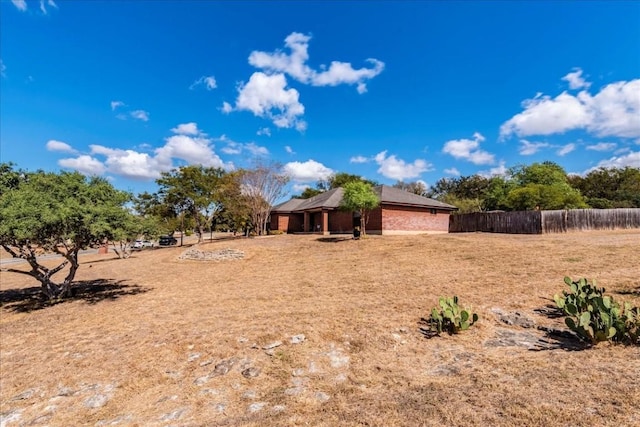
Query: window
433,211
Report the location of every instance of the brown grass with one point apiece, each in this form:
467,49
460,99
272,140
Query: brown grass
140,342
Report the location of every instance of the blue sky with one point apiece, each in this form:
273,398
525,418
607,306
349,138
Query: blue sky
387,90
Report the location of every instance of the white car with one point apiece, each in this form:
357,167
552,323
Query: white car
141,244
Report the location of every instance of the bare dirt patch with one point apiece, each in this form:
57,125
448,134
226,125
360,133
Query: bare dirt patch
305,331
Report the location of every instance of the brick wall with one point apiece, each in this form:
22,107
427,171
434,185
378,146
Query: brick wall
289,223
340,222
402,219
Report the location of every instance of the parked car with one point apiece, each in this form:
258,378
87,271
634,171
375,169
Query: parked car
141,244
167,241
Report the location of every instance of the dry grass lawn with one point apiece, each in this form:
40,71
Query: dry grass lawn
156,340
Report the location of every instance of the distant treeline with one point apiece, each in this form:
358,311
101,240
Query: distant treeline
541,186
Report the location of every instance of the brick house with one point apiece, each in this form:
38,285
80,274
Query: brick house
399,212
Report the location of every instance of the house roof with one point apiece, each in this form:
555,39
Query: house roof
388,195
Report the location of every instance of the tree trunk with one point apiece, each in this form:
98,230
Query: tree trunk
44,275
363,222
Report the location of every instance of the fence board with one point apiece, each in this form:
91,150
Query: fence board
537,222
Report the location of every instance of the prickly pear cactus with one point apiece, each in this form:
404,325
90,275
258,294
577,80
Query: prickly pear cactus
451,318
595,317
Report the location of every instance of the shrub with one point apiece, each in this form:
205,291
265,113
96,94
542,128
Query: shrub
595,317
451,318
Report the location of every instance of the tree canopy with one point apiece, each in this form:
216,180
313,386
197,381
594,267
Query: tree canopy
359,197
61,213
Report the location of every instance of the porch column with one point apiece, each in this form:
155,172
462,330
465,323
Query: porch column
325,222
306,222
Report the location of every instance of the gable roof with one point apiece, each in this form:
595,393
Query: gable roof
388,195
395,196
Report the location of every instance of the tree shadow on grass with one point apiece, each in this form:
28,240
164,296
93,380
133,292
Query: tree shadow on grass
336,239
630,291
25,300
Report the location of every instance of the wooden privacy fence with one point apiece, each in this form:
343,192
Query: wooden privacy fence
538,222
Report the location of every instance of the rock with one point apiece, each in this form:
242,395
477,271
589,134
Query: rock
514,319
297,339
96,401
10,417
220,407
294,391
272,345
201,380
403,330
65,391
257,406
123,419
173,415
338,359
206,362
221,255
278,408
322,396
249,394
27,394
243,340
251,372
193,356
298,372
223,367
509,338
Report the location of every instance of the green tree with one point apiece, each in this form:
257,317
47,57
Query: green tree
60,213
610,187
195,191
542,186
309,192
340,179
360,197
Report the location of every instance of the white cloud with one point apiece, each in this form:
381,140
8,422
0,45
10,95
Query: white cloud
53,145
190,128
116,104
575,80
613,111
132,164
469,149
528,148
209,82
632,160
255,149
235,148
566,149
84,164
294,64
226,107
140,115
309,171
359,159
3,69
266,96
191,149
545,116
289,149
452,171
264,131
232,148
392,167
500,170
299,188
602,146
20,4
